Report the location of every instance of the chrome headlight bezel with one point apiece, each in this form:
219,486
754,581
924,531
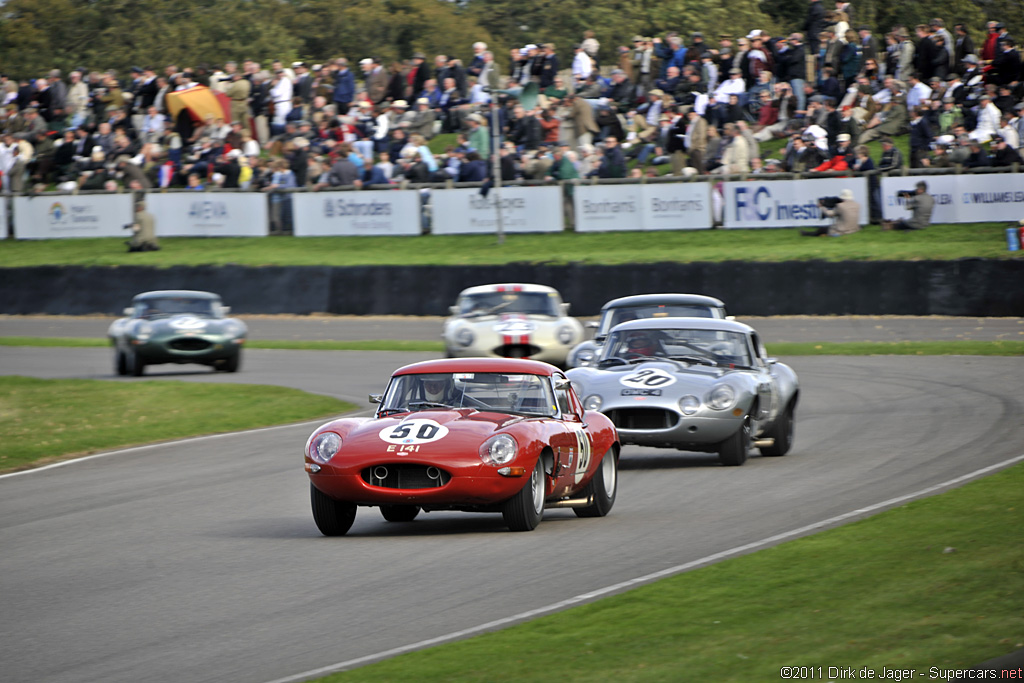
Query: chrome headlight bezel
565,335
585,357
324,446
143,331
721,397
689,404
499,450
593,402
464,337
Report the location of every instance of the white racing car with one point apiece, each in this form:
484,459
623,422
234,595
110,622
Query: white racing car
511,321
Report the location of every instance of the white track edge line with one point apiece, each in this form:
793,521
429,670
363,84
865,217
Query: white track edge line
631,583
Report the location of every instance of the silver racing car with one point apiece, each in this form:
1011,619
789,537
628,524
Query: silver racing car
695,384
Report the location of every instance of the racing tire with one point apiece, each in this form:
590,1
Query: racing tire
133,364
399,513
733,451
120,363
233,363
602,487
782,431
332,517
523,511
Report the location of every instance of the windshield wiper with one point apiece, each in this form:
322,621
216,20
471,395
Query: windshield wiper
703,360
488,311
389,411
420,405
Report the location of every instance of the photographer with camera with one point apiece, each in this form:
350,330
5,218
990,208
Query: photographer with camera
920,204
845,213
143,230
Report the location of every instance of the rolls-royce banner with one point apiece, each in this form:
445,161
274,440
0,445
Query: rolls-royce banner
786,203
61,216
209,214
373,212
959,198
524,209
654,206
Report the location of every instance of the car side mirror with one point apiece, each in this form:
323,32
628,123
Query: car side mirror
771,361
565,309
592,324
376,398
454,310
224,310
563,384
129,311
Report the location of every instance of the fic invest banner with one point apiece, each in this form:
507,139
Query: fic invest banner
960,198
209,214
62,216
648,206
524,209
373,212
787,203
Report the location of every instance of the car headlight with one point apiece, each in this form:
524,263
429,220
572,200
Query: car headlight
585,357
498,450
325,446
593,402
565,334
722,397
233,329
464,337
689,404
143,331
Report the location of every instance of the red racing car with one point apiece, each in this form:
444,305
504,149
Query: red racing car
471,434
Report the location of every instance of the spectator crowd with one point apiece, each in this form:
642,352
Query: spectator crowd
694,104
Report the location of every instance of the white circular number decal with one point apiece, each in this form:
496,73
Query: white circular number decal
414,432
515,327
648,378
188,322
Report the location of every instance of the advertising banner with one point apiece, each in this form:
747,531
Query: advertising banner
61,216
603,208
3,218
787,203
648,206
959,198
208,214
373,212
524,209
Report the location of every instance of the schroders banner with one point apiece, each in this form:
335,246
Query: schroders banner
786,203
208,214
373,212
649,206
523,209
62,216
960,198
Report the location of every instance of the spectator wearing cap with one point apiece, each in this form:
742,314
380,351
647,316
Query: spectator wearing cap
548,66
989,119
1003,154
892,157
375,80
621,94
423,119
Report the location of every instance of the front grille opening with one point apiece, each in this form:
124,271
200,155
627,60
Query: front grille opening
643,418
190,344
517,350
405,476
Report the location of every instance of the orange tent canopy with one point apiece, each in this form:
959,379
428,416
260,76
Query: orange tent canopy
200,101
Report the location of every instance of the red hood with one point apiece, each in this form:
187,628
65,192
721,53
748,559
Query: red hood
465,428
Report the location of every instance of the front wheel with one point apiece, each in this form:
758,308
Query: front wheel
782,431
602,487
133,364
523,511
332,517
399,513
233,363
733,451
120,363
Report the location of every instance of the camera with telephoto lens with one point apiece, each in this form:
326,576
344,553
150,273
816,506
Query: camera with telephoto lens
128,226
906,194
829,202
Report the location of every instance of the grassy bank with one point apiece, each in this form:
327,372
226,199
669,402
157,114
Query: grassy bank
907,348
939,242
934,583
49,420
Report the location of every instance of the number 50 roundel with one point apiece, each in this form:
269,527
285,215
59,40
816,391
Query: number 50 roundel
414,432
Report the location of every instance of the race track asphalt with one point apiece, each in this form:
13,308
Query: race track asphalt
198,560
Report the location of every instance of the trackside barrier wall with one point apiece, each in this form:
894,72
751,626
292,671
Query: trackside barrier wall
372,212
649,206
524,209
960,198
65,215
786,203
208,214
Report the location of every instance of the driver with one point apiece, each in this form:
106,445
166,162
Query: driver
437,388
643,343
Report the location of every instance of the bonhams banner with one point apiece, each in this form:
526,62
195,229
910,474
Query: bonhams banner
208,214
373,212
523,209
44,217
650,206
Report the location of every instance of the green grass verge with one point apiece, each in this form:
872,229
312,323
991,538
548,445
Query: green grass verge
937,582
938,242
907,348
48,420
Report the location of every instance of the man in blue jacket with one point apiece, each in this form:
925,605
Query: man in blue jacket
344,86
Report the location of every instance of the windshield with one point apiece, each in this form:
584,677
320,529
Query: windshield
614,316
151,309
532,303
710,347
504,393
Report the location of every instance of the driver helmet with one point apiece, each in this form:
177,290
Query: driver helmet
642,342
436,387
